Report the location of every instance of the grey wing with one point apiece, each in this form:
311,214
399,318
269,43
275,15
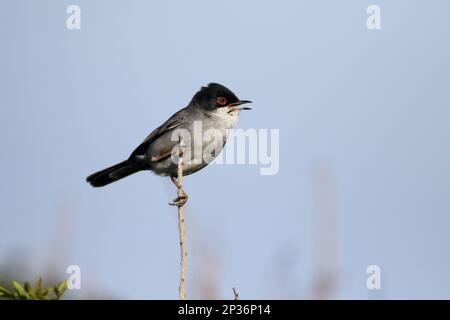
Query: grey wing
174,122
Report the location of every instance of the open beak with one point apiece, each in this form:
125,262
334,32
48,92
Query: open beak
235,106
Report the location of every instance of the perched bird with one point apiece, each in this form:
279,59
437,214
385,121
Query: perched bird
214,107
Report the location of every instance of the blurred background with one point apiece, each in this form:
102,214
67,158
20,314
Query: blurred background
364,173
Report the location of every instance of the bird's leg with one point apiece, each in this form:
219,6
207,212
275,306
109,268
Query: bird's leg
175,182
182,196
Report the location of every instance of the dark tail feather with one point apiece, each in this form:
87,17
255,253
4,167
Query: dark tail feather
112,174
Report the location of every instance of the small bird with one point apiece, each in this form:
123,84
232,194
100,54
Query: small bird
214,107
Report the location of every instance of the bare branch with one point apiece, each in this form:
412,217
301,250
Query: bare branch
181,230
236,295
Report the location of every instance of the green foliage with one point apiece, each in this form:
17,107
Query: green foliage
26,292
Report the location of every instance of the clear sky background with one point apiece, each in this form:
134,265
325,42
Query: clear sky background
371,109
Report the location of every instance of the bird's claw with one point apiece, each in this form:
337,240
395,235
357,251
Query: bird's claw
180,200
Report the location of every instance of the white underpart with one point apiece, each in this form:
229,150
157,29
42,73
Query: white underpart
225,119
221,120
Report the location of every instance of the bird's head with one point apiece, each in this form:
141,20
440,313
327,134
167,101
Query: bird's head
216,96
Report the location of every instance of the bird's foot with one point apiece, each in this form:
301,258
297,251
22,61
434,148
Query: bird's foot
180,200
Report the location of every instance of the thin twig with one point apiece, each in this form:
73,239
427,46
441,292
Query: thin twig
182,288
236,295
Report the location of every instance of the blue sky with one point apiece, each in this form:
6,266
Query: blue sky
369,108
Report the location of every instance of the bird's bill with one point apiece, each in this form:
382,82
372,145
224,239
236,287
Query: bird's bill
235,105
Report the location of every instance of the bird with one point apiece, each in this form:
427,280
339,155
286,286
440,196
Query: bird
214,107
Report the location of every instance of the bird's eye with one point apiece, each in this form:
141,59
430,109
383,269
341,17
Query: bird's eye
221,101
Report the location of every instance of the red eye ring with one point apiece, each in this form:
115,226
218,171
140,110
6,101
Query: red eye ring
221,101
